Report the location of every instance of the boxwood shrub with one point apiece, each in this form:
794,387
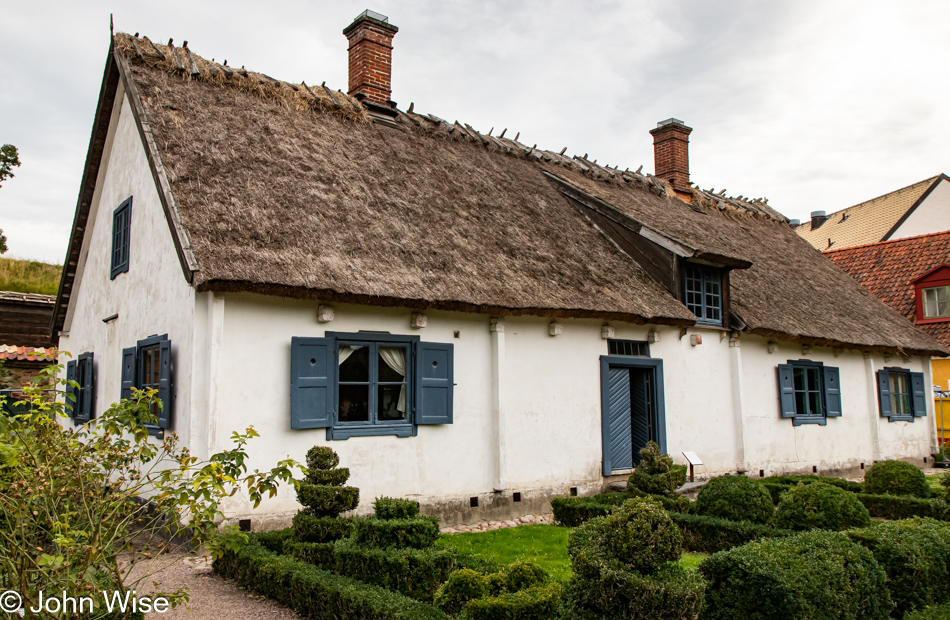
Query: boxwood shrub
415,573
273,540
811,575
521,590
904,507
461,587
656,473
711,534
317,594
940,612
535,603
896,478
320,554
417,532
792,480
572,511
392,508
326,501
915,554
737,498
321,529
672,593
821,506
673,503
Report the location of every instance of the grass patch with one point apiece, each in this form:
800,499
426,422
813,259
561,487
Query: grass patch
29,276
545,545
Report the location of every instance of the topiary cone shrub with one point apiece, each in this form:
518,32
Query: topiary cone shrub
396,524
324,497
656,473
896,478
821,506
737,498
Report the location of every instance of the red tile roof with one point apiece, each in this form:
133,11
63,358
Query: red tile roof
26,354
888,268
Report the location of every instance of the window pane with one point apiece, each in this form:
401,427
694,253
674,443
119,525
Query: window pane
799,375
942,301
930,302
905,404
392,364
149,367
354,363
354,403
800,403
895,404
391,402
814,383
814,403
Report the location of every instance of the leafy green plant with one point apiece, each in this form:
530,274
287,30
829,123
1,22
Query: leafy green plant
904,506
462,586
896,478
393,508
656,472
417,532
821,506
324,497
737,498
707,534
73,500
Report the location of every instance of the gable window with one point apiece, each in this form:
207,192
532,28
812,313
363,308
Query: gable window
148,365
703,294
901,394
935,302
628,347
809,392
369,384
121,225
81,398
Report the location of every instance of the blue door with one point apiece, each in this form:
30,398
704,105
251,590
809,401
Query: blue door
632,409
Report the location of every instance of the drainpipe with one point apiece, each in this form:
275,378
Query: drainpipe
499,465
738,398
873,407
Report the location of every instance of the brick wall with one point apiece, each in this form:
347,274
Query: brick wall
370,58
671,154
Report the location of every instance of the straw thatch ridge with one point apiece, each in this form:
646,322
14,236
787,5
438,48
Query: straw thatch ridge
284,194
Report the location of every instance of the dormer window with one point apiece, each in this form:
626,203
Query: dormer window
935,302
703,294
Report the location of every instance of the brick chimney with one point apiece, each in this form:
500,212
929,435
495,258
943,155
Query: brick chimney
671,152
371,49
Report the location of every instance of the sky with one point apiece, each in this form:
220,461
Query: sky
814,104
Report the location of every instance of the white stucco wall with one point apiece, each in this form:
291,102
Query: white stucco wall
932,215
152,297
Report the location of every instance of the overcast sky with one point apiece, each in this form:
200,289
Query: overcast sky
813,104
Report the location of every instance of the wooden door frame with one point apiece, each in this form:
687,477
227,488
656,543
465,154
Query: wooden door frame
659,406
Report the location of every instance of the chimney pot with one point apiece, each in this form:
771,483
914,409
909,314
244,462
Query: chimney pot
817,219
671,153
370,58
794,223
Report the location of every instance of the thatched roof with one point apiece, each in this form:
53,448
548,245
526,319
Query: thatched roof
301,191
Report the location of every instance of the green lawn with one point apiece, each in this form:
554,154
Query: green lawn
545,545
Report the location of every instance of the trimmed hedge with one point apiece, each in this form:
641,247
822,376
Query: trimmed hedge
537,603
940,612
315,593
321,529
673,503
330,477
812,575
415,573
417,532
461,587
821,506
704,534
904,507
916,557
273,540
392,508
573,511
613,593
656,474
327,501
792,480
321,457
320,554
737,498
896,478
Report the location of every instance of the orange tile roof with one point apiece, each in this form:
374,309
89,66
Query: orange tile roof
27,354
888,268
866,222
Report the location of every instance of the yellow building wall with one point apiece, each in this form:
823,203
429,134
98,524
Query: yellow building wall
941,372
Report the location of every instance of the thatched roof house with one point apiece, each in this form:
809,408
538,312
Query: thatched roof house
301,191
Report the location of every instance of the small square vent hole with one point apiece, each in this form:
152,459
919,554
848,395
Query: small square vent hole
473,502
516,496
244,525
573,491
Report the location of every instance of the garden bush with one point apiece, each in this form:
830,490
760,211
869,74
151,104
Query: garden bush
672,503
521,590
811,575
639,535
792,480
317,594
309,528
672,593
417,532
535,603
704,534
415,573
320,554
656,473
273,540
572,511
915,554
904,507
737,498
939,612
461,587
324,497
821,506
896,478
392,508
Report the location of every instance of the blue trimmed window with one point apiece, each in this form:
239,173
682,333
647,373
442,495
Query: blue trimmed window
809,392
703,293
121,226
81,395
370,383
902,394
149,365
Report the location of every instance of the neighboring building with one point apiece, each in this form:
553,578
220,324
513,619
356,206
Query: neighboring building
467,320
911,275
917,209
25,344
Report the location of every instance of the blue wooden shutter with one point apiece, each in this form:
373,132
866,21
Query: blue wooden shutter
128,372
72,394
786,390
618,451
435,375
312,379
884,392
87,388
165,383
832,392
918,390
